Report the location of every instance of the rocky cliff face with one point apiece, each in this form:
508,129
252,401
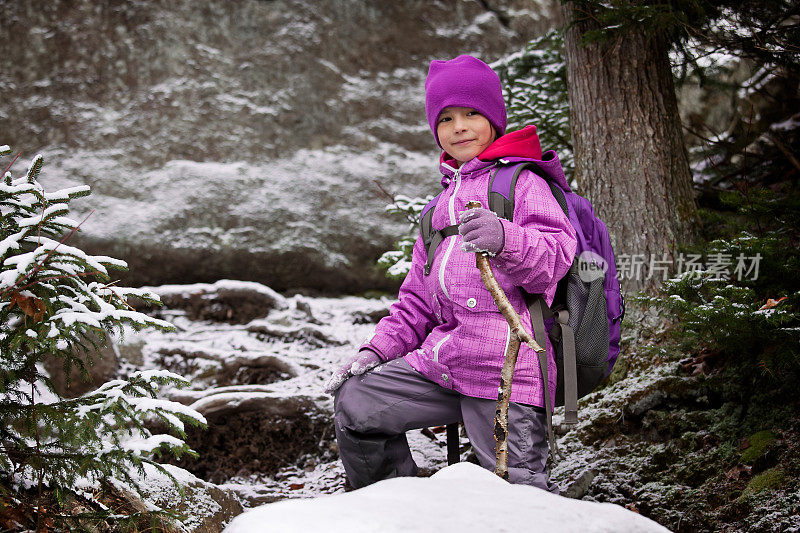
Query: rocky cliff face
240,138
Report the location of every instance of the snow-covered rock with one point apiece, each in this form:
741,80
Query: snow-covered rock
260,387
203,507
223,301
240,139
463,497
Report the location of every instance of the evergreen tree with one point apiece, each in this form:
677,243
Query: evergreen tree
57,301
631,161
535,89
397,262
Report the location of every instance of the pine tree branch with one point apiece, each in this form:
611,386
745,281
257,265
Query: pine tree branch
100,436
52,278
40,265
785,149
12,162
393,200
386,195
24,451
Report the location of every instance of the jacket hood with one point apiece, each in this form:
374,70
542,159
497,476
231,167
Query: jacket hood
520,143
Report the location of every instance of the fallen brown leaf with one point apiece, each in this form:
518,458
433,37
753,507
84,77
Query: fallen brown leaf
771,303
632,507
736,472
30,305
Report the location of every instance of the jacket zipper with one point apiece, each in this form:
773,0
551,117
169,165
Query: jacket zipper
452,212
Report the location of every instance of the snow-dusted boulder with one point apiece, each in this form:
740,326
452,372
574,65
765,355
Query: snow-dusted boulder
253,430
240,139
204,507
463,497
226,300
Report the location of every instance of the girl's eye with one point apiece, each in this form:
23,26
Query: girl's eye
444,119
472,113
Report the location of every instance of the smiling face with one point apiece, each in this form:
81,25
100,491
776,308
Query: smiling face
463,133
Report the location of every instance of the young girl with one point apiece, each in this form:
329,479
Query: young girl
442,347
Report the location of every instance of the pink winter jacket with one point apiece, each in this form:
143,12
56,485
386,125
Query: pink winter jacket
446,324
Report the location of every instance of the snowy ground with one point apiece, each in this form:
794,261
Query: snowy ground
308,338
306,352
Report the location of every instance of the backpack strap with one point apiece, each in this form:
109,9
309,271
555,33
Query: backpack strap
435,240
501,190
425,221
563,331
558,194
432,238
539,311
570,367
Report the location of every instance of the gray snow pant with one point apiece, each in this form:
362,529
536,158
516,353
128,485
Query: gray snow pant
374,410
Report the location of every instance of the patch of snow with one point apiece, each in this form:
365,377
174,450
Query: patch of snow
148,445
288,483
454,499
213,344
787,125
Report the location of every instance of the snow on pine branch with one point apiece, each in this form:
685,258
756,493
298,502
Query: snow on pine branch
76,310
144,385
397,262
69,193
50,212
57,301
150,444
11,242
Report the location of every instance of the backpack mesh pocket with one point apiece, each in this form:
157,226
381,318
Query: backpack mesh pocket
586,303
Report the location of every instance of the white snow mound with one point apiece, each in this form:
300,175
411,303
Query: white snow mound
463,497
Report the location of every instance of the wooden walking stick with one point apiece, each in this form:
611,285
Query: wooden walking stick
518,335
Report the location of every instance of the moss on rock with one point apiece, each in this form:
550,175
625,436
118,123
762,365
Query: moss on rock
619,371
768,480
759,442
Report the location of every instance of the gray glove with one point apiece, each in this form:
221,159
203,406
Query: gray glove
364,360
481,231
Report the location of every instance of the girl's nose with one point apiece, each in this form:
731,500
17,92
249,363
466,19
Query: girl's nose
459,124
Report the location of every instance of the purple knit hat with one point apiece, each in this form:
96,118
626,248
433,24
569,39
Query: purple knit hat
464,82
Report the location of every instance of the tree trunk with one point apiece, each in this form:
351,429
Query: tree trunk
630,160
